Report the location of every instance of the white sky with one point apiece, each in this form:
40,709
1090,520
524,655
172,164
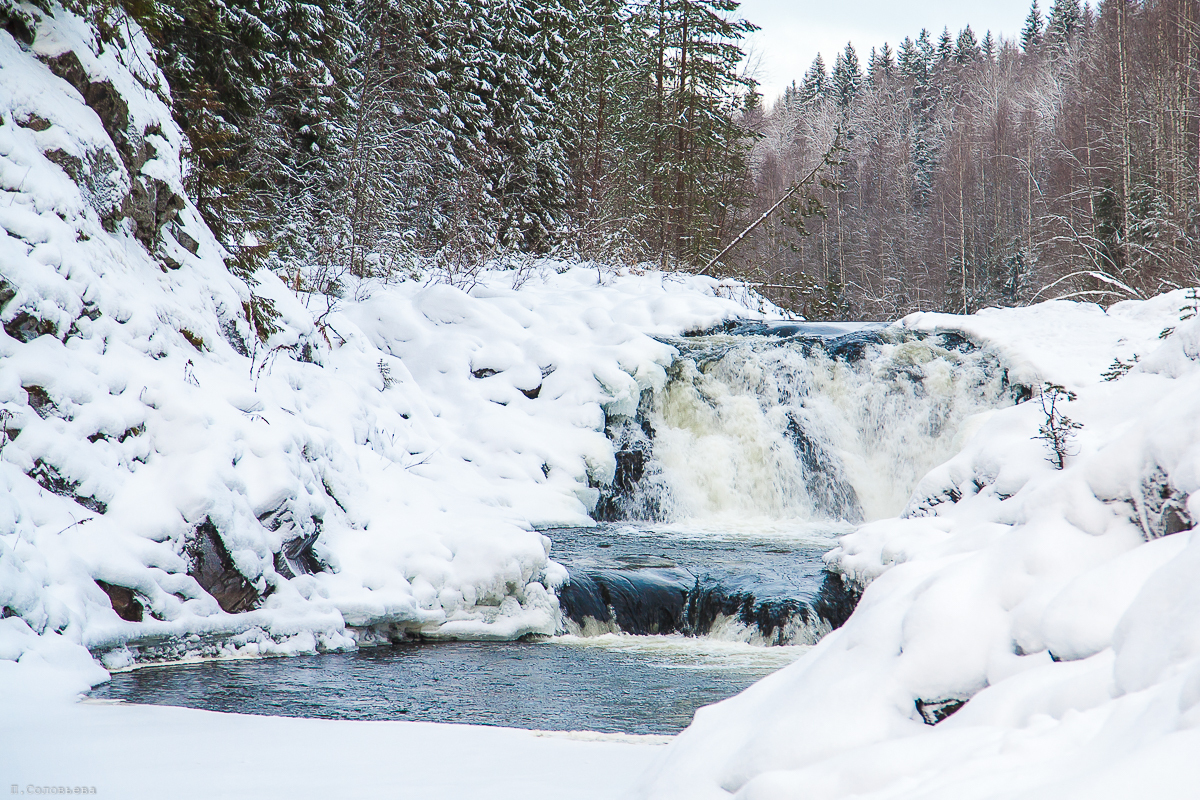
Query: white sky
794,31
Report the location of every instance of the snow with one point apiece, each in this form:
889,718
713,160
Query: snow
119,750
421,433
1051,601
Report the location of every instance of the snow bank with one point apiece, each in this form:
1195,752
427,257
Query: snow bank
1047,621
174,485
148,752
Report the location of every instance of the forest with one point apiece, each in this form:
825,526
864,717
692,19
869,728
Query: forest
395,138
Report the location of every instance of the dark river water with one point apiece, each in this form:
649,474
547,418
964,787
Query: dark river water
615,683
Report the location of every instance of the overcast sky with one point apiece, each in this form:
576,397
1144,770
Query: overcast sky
794,31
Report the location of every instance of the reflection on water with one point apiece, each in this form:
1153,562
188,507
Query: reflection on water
612,684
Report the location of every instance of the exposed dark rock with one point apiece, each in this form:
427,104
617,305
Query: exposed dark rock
853,346
19,24
68,67
934,711
230,330
212,568
926,507
7,292
837,599
829,489
184,239
1161,509
124,601
630,466
957,341
168,204
51,480
533,393
150,203
39,400
486,372
708,603
103,98
24,327
34,123
296,557
69,163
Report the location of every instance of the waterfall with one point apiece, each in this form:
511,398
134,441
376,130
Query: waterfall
764,435
798,422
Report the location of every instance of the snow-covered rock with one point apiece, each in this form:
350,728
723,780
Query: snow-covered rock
174,484
1025,631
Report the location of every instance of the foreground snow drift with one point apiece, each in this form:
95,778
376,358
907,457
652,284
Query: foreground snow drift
1047,621
175,480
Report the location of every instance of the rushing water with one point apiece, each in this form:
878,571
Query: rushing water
732,481
797,421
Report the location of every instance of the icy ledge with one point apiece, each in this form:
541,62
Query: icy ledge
173,485
1025,632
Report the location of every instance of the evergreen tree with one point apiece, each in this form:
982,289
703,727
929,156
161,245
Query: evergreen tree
945,46
882,66
926,49
847,77
966,49
1031,33
690,52
909,59
1066,18
815,81
989,47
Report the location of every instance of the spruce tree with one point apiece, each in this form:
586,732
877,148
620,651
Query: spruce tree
1031,33
815,83
989,47
847,77
966,49
945,46
882,66
1066,18
909,59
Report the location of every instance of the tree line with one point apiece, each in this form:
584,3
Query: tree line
384,137
973,172
376,137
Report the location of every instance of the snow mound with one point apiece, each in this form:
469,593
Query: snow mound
172,484
1025,631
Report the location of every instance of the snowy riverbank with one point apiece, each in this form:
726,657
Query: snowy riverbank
1061,604
179,479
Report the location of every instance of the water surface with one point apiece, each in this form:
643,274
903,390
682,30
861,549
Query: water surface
611,684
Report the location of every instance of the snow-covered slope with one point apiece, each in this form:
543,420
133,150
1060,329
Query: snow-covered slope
171,484
1048,621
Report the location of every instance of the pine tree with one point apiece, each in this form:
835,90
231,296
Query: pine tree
945,46
258,93
1031,33
690,52
815,81
966,49
989,47
1066,18
882,66
909,59
847,77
